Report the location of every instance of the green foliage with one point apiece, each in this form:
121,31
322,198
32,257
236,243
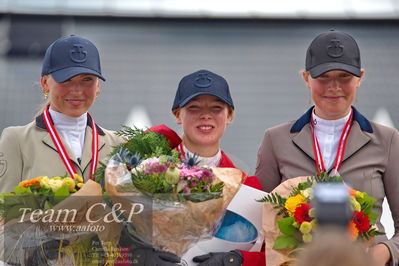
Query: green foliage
366,203
286,226
23,197
60,194
146,144
199,197
373,217
218,187
273,198
22,190
33,198
323,177
137,141
284,241
151,184
278,202
141,145
370,234
12,205
290,233
301,186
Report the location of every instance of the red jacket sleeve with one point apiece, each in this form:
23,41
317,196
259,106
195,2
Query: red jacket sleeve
253,258
252,181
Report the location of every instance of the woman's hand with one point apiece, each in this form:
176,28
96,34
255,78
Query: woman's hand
380,254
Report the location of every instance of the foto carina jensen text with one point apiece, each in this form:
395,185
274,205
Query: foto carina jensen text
69,215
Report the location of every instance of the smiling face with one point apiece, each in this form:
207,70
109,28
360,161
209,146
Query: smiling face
204,120
333,92
73,97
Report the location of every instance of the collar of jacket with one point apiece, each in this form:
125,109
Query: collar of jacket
305,119
40,123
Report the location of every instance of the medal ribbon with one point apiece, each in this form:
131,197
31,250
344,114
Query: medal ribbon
181,150
61,149
340,150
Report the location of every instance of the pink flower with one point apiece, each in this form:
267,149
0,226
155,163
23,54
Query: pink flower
195,172
191,173
153,166
186,191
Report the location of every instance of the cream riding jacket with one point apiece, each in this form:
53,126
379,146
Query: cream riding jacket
28,151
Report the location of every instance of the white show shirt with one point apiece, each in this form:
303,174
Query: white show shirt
72,129
328,133
208,161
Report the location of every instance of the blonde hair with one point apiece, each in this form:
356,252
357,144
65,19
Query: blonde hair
42,106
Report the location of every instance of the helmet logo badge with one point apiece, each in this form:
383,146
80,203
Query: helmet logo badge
335,49
203,81
77,54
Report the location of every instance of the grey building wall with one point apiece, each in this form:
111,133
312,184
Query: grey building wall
143,61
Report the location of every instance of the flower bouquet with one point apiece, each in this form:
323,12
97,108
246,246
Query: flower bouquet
47,220
289,217
181,202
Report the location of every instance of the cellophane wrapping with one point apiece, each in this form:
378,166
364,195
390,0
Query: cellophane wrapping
24,236
269,223
165,222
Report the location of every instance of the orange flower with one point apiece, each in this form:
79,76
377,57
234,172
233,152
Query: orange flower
353,231
352,192
24,183
31,182
35,181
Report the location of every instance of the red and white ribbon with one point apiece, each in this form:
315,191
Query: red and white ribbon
340,150
180,149
61,149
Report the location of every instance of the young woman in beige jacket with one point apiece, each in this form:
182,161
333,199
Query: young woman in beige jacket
336,138
60,140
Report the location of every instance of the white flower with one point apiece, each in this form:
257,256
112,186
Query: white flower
136,170
55,184
44,182
307,193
